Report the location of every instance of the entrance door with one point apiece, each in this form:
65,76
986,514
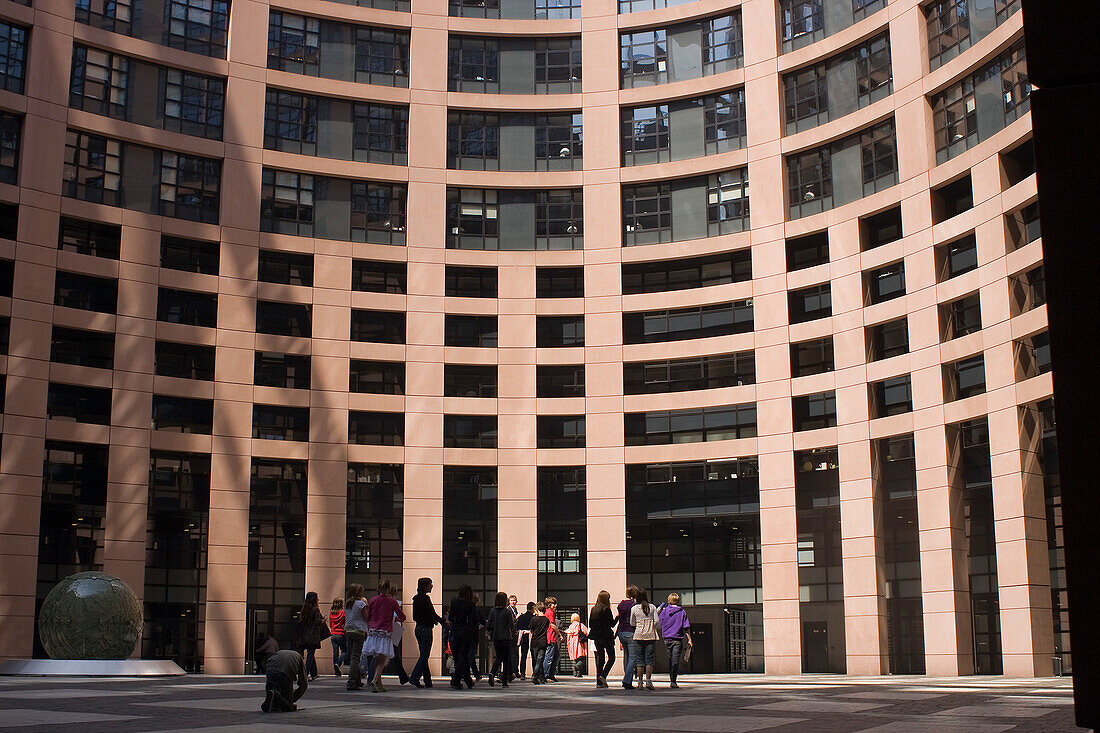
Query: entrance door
815,646
702,650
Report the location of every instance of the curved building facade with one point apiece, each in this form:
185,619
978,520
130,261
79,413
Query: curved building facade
742,300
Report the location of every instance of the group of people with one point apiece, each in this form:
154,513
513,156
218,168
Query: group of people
366,634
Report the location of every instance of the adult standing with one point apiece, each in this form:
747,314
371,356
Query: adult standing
502,632
336,629
675,630
550,663
381,611
643,617
514,654
355,630
308,633
523,628
626,634
464,623
426,618
601,632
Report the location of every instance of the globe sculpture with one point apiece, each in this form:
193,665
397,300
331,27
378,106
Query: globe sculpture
90,616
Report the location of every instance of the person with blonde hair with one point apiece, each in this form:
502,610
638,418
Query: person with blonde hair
576,641
675,630
601,622
355,632
381,611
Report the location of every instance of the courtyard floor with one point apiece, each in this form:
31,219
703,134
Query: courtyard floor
720,703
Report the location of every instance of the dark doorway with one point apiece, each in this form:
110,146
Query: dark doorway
702,650
815,646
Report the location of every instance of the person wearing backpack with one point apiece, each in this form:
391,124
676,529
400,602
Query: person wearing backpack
576,640
643,617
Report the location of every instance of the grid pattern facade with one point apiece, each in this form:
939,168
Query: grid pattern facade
277,306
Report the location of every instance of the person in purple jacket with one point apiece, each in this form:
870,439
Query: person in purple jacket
625,632
675,630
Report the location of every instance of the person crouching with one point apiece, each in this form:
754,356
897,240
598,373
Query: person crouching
284,668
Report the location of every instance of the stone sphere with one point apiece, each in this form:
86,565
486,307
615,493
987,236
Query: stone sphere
90,616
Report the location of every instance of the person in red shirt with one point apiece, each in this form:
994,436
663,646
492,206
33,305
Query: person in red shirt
550,663
336,628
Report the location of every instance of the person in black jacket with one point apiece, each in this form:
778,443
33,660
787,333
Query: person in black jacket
539,626
426,618
502,632
464,625
308,632
601,622
523,628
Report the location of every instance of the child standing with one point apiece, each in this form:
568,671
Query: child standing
336,628
539,626
576,637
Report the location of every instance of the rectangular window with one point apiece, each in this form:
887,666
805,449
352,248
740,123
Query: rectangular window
724,122
193,104
961,317
469,380
1028,290
7,278
285,268
663,427
85,292
555,331
560,431
290,371
276,422
696,272
812,357
184,361
559,219
380,327
885,283
183,414
562,534
888,339
5,334
1032,355
303,45
469,431
377,377
678,324
378,132
643,58
473,140
809,250
952,199
375,521
692,373
10,137
198,26
958,257
838,86
723,43
187,307
965,378
948,30
100,82
557,65
727,202
559,380
286,203
1023,226
812,185
9,221
647,213
355,210
473,64
473,8
379,276
89,238
470,529
892,396
13,57
83,348
559,282
189,186
814,411
376,428
284,319
801,22
810,303
471,282
479,331
879,229
955,110
645,135
190,255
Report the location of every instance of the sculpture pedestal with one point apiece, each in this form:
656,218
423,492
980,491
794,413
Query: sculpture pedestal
91,668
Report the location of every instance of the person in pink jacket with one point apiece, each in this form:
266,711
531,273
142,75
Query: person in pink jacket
381,611
576,638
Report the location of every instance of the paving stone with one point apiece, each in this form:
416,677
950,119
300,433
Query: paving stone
17,717
997,711
486,713
711,723
816,706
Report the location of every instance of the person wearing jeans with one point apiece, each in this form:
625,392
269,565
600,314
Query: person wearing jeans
626,634
426,618
550,663
355,630
338,640
675,630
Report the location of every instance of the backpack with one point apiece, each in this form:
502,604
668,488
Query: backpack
582,637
